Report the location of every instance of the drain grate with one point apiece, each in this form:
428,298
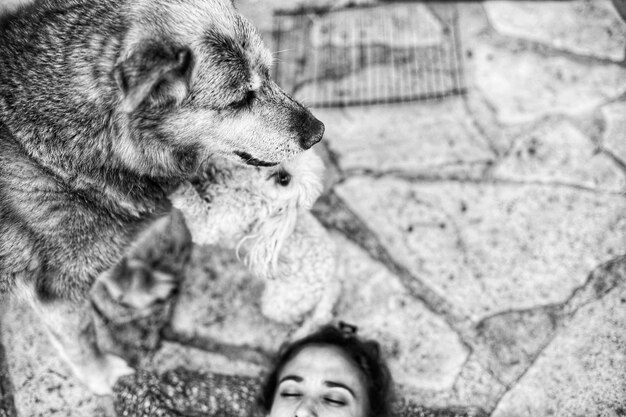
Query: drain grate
370,54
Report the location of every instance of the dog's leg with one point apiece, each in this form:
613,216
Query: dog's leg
71,329
317,270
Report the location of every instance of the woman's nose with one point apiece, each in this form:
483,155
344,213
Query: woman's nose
307,408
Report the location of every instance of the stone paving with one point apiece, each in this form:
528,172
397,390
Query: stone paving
483,238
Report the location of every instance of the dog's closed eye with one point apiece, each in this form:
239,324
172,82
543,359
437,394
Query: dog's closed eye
244,102
281,177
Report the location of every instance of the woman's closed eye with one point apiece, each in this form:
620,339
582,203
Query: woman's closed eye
335,401
290,394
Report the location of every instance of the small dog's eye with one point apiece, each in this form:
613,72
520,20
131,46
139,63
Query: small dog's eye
282,177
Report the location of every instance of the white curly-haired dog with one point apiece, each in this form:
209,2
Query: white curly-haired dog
264,213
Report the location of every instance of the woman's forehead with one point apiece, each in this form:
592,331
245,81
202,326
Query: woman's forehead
324,363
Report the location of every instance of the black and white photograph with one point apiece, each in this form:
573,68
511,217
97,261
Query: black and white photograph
312,208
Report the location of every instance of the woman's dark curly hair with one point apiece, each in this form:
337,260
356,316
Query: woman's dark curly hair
365,354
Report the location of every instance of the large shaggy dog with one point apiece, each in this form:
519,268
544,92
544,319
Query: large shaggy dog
105,107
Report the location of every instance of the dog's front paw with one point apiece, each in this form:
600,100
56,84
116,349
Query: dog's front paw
101,376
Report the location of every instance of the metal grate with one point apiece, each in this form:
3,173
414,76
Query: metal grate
369,54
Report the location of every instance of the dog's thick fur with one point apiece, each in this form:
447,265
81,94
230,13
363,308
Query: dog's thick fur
105,107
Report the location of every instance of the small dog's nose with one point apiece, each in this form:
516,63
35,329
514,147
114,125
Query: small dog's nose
312,133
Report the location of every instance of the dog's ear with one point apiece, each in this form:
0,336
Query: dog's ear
154,73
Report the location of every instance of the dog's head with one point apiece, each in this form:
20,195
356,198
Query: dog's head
284,192
296,183
194,75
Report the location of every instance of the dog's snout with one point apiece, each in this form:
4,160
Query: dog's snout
312,132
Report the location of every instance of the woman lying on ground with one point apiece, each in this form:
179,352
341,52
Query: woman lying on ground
330,373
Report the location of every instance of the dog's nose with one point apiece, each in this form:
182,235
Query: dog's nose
312,132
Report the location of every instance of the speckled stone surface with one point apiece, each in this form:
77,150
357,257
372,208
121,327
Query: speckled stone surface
409,332
559,153
523,85
43,384
490,247
586,27
581,372
417,138
7,402
614,137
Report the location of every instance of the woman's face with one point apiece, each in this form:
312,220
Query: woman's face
320,381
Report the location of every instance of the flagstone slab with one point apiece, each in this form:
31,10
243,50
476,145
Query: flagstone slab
581,373
585,27
509,342
523,85
418,137
559,152
476,385
424,353
7,404
43,384
490,247
615,134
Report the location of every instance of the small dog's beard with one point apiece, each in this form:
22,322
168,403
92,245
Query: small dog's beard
266,240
